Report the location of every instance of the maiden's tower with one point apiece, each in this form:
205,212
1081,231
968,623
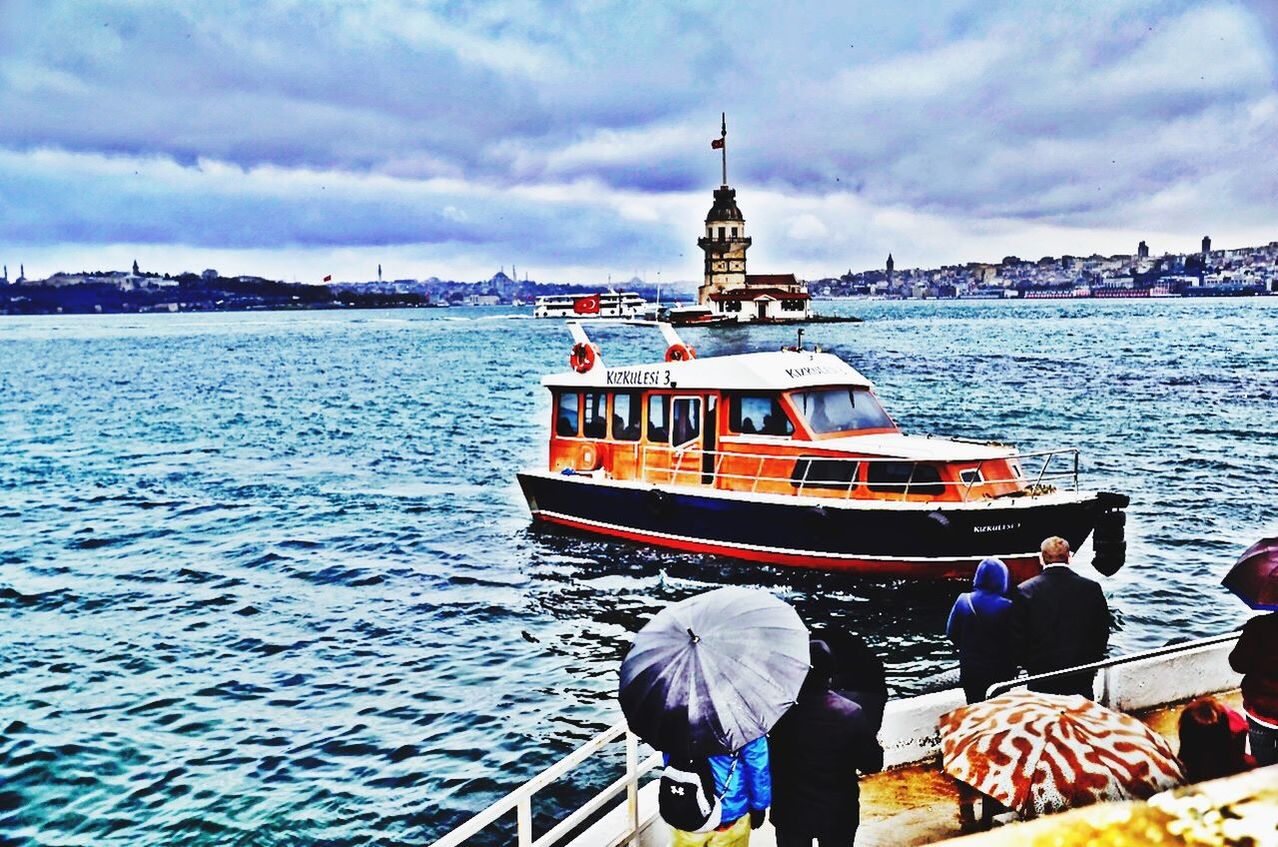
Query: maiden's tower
728,290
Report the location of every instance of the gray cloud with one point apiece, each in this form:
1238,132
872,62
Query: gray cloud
1072,116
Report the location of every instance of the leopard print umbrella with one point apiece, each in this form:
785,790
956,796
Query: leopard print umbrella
1042,753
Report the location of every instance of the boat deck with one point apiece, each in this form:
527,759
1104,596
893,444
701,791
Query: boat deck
919,805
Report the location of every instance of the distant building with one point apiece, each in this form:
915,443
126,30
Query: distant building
891,267
1142,251
209,274
764,297
1206,244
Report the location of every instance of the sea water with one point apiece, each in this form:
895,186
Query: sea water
267,578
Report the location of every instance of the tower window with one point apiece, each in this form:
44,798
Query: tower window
734,232
721,232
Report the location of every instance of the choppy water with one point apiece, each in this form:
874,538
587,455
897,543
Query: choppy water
267,579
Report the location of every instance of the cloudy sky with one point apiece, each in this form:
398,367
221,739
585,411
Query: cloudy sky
297,138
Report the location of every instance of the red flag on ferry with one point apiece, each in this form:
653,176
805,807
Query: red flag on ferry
328,278
716,144
586,305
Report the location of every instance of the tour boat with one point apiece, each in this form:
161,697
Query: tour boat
608,304
788,458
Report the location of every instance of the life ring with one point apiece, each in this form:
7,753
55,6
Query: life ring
583,356
680,353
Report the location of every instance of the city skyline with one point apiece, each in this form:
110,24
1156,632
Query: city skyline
297,142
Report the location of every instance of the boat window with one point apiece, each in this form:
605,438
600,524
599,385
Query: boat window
595,421
815,472
749,414
566,416
971,476
685,419
626,412
894,477
841,409
659,419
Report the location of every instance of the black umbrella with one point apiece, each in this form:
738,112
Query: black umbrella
710,674
1254,577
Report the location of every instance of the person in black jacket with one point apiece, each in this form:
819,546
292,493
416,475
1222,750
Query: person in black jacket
817,748
1060,620
857,672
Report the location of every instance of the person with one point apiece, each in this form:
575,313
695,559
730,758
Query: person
1213,741
1060,620
1255,656
858,672
980,626
743,784
817,749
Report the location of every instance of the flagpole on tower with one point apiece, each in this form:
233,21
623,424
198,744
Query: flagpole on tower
723,135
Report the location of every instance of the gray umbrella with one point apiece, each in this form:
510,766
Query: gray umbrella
710,674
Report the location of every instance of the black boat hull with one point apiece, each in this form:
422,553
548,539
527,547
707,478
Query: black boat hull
881,538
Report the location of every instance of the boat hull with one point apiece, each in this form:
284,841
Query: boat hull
881,538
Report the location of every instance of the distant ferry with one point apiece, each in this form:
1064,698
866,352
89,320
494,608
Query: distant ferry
788,458
607,304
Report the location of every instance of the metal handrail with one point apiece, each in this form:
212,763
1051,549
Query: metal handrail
668,474
1104,664
520,800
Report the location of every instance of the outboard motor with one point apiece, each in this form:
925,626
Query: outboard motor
1109,539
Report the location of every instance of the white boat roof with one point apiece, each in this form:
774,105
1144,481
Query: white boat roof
777,371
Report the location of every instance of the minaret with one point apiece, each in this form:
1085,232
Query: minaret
891,266
725,241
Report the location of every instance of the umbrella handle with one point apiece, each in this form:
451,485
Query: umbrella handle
695,638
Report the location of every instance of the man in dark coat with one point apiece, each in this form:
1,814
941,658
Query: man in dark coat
817,749
1060,620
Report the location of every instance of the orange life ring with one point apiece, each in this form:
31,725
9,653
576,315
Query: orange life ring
583,357
680,353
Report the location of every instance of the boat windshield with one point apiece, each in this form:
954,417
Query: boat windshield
841,410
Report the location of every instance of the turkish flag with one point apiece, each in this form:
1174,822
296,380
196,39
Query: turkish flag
716,144
328,278
586,305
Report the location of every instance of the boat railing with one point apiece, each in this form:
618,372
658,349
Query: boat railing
519,801
1103,667
663,464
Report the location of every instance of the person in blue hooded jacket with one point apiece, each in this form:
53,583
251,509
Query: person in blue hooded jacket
980,626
